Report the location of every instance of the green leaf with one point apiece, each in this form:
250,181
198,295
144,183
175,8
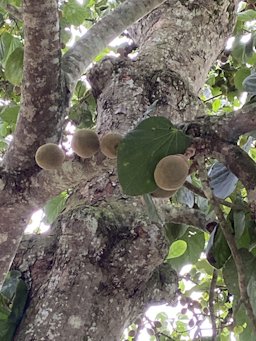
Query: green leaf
19,302
177,249
54,206
141,150
10,113
195,246
8,44
248,15
239,223
152,211
241,318
240,76
230,272
175,231
4,129
10,284
13,297
251,289
3,146
216,104
14,66
217,250
75,13
80,89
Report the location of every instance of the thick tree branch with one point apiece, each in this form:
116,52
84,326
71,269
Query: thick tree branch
227,127
19,197
78,58
41,107
200,192
231,126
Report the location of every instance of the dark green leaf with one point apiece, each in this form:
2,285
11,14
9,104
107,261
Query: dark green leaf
19,302
8,44
239,223
141,150
14,66
230,272
175,231
251,289
241,318
217,250
240,76
10,284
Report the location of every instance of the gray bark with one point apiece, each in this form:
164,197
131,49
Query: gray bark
99,268
101,264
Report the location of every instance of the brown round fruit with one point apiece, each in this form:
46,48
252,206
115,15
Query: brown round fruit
171,172
161,193
49,156
85,143
109,144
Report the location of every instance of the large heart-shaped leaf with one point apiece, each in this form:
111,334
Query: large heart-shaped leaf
141,150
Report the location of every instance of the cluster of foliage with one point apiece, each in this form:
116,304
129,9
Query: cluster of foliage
212,277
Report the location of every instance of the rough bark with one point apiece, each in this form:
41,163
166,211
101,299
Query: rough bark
104,255
99,269
45,100
41,95
78,58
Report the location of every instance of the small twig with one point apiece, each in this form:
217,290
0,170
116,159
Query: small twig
211,304
200,192
14,11
209,99
228,234
166,336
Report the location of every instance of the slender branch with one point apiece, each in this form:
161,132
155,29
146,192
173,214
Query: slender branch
211,304
211,98
242,165
184,215
228,234
13,11
200,192
78,58
227,127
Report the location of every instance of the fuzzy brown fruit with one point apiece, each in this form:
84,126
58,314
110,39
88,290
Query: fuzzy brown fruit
49,156
85,143
171,172
161,193
109,144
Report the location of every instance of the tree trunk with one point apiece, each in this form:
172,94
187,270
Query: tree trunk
102,263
